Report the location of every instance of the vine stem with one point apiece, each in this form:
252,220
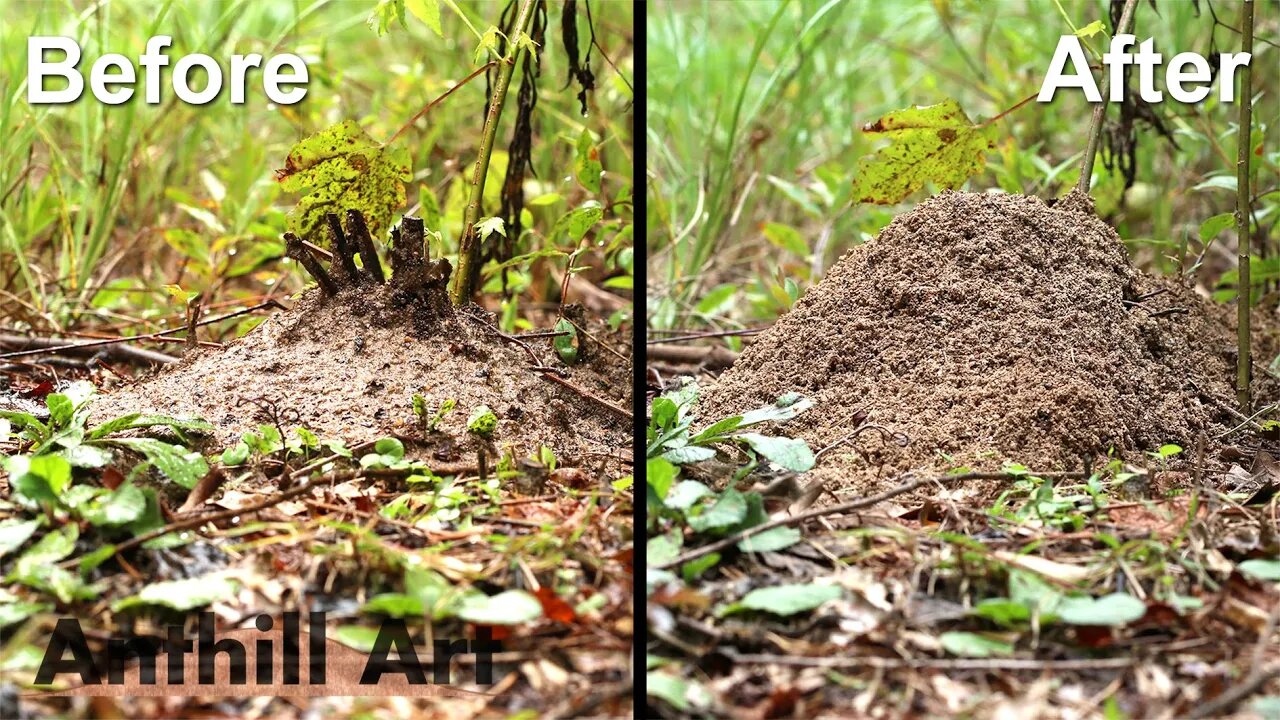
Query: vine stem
469,248
1244,296
1095,125
421,113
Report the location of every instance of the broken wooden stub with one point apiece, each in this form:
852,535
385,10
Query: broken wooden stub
415,278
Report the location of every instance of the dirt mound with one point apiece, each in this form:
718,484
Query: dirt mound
985,328
347,359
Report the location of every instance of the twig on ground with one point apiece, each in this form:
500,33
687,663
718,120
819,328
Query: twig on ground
551,374
36,345
712,357
1001,664
76,347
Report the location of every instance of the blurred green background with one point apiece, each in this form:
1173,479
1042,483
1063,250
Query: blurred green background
753,136
111,216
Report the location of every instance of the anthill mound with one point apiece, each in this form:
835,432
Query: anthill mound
347,359
986,328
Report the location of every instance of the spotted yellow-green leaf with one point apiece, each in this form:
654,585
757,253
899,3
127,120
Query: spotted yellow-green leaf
937,144
341,168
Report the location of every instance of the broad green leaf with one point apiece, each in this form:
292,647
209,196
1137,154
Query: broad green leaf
719,301
778,538
60,409
691,570
660,474
1210,228
682,694
1115,610
786,238
575,223
1220,182
135,421
791,453
1261,569
16,612
587,167
689,454
718,429
428,11
397,605
937,144
783,409
482,421
389,446
236,454
341,168
566,345
54,546
14,532
685,494
727,511
967,644
512,607
86,456
663,549
122,506
785,600
181,595
1002,611
180,465
41,478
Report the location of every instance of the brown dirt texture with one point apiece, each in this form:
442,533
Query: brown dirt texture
347,367
992,327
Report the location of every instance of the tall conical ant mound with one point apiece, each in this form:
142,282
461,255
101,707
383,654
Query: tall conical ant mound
983,328
347,359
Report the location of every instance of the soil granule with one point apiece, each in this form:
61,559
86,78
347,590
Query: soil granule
987,328
347,367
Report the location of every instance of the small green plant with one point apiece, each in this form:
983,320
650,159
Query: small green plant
66,436
678,504
428,421
482,421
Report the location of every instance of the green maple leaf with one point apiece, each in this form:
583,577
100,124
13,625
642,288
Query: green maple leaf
341,168
937,143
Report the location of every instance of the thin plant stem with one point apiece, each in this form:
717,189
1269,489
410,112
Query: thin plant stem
469,248
1244,295
1095,125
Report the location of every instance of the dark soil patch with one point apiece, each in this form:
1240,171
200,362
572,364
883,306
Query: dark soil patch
986,328
347,367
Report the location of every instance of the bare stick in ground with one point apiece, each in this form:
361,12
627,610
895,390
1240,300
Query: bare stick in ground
364,242
469,250
1100,110
345,254
296,249
1243,288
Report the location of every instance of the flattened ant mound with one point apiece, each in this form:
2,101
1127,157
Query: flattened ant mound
347,359
983,328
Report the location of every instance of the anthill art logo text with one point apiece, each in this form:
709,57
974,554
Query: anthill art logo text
288,655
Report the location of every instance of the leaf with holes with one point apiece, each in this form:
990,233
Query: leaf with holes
937,144
341,168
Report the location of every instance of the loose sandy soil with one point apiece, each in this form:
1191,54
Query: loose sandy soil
980,328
